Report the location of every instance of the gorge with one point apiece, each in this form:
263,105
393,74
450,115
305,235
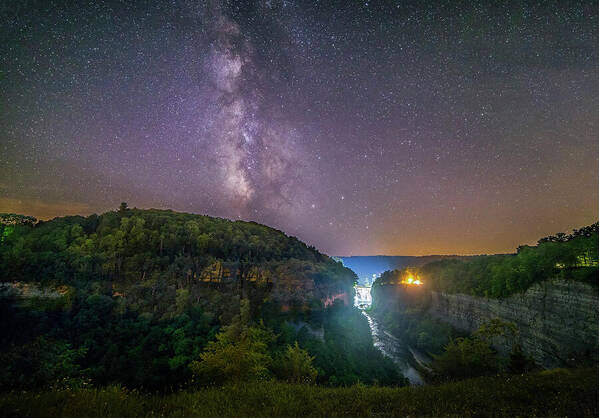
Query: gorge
153,300
556,321
391,346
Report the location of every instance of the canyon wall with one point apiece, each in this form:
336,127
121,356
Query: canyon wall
558,320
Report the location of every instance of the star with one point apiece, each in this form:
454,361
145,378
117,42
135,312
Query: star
256,112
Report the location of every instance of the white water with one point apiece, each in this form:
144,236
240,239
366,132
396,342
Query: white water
392,348
363,297
389,345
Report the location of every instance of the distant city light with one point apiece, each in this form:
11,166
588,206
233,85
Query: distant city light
411,280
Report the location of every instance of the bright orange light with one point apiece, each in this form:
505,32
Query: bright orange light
410,280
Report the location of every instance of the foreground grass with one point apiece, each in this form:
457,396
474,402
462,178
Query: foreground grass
551,393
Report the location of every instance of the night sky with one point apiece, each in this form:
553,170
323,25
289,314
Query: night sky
391,127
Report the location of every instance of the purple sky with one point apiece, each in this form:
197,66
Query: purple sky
360,127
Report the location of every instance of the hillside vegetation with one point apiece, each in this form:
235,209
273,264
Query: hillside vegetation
158,300
139,244
149,254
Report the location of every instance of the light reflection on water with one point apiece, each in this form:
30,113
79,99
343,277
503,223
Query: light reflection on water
393,348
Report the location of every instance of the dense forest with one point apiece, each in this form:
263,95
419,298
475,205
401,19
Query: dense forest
157,300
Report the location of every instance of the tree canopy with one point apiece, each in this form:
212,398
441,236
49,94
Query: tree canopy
569,256
155,299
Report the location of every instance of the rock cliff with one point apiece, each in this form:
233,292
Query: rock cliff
558,320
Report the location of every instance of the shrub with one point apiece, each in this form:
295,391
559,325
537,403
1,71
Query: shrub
295,366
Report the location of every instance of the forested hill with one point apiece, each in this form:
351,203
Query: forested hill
162,247
157,300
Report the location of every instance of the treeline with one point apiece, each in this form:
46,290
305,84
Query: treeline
574,256
136,244
585,231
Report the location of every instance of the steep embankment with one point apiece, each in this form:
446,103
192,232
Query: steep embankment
557,320
548,291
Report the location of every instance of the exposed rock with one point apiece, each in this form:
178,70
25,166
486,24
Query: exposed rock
23,290
291,283
339,296
558,320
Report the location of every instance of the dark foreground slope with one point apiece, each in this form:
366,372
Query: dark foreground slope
553,393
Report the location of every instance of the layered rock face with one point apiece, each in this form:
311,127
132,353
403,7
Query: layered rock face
291,283
558,320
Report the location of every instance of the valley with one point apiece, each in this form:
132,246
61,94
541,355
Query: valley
159,301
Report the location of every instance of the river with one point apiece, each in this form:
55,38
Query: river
389,345
394,349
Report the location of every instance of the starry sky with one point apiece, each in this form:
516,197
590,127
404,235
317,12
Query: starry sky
389,127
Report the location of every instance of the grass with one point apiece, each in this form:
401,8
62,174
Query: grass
560,392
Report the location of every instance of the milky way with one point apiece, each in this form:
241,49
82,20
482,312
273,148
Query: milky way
257,154
361,127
